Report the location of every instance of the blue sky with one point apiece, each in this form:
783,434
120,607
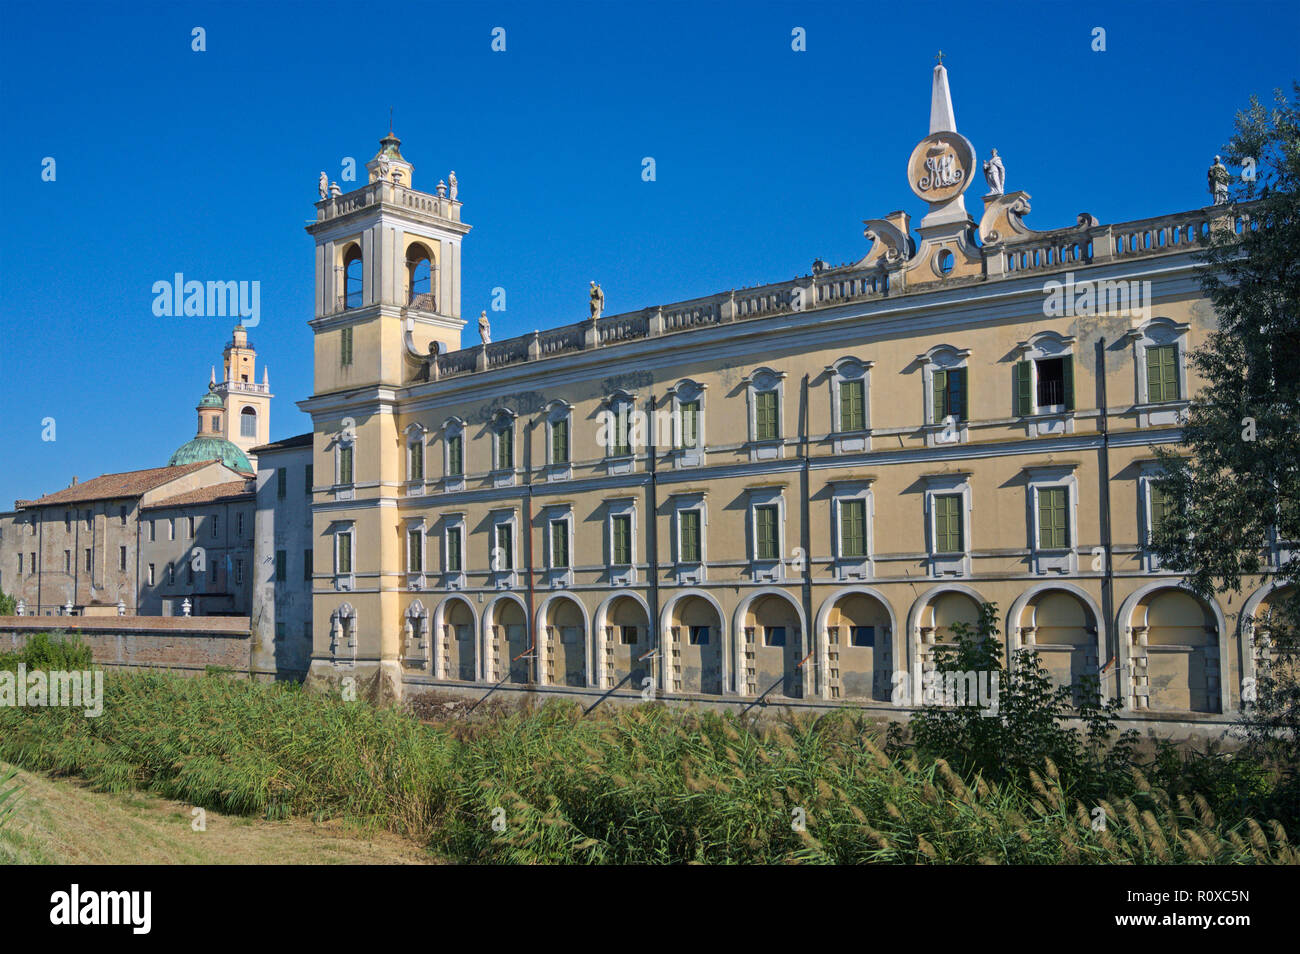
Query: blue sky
170,160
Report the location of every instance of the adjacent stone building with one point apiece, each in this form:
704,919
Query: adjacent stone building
800,487
282,576
84,550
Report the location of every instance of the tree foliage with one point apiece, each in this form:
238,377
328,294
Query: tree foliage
1238,490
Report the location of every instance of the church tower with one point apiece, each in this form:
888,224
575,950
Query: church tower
247,421
387,274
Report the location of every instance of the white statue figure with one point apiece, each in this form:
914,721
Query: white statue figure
484,328
597,301
1218,181
324,185
335,191
451,184
995,174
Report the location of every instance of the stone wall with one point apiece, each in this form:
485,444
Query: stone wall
177,644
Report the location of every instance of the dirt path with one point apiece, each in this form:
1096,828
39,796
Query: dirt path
62,821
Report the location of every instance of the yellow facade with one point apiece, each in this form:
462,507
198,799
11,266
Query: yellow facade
879,448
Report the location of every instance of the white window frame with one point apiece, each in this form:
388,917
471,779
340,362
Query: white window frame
416,580
453,579
847,567
766,571
944,357
503,422
416,436
343,581
845,370
1045,346
454,427
627,574
1054,477
688,572
684,392
503,579
1152,334
558,470
948,564
556,577
765,380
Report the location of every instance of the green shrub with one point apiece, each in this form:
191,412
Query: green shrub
50,651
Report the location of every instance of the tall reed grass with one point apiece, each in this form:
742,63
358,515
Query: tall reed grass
637,785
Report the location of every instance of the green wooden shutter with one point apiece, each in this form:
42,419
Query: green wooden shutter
345,464
506,448
939,382
948,523
765,416
415,552
345,552
690,536
622,540
852,417
765,530
454,460
453,549
560,441
853,528
1067,378
1024,386
1053,519
559,544
1162,374
281,566
417,461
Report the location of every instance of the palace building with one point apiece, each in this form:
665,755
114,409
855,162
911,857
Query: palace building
799,487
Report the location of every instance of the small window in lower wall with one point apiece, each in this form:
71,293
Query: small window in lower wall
773,635
627,634
699,635
862,635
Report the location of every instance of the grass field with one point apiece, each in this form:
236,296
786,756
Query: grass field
65,821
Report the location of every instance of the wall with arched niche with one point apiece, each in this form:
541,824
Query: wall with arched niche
855,633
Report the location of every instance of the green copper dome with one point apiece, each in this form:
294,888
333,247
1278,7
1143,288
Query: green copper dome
211,400
211,448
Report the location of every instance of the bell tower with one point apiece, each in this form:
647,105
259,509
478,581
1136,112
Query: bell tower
247,421
387,275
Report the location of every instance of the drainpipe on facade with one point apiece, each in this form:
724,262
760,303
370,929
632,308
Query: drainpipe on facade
76,557
807,644
1108,583
40,558
652,545
529,630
